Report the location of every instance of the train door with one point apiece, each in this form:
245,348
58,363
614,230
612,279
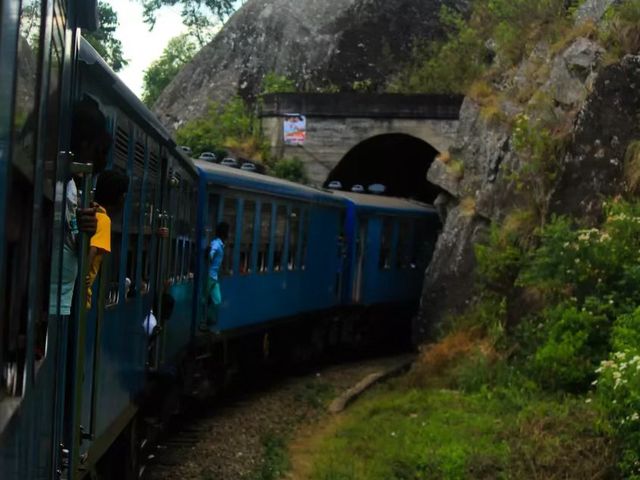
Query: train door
360,247
37,51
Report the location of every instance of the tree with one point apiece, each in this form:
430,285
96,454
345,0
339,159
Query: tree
199,15
104,41
179,51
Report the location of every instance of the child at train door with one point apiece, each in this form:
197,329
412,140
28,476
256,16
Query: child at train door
213,297
111,190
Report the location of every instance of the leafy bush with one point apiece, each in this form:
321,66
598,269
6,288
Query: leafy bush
231,125
600,262
274,83
618,390
290,169
576,341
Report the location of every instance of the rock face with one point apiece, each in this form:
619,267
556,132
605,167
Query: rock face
317,43
600,107
593,9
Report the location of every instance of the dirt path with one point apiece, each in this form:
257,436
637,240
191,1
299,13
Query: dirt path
233,442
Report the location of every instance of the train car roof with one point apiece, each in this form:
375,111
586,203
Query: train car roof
380,203
236,178
131,103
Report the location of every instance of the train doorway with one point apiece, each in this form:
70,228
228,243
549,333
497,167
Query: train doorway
399,162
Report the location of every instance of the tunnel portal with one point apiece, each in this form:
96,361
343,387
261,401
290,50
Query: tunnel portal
398,161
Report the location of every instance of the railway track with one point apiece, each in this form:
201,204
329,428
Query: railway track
228,439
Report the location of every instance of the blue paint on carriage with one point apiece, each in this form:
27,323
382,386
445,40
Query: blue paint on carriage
250,299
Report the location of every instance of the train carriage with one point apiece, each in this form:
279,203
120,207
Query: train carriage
283,244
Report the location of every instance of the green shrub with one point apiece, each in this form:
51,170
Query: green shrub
230,125
274,83
576,341
290,169
602,262
618,391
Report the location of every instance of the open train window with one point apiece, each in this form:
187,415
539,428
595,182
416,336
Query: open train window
294,236
279,237
134,220
229,212
404,248
120,156
246,242
193,219
386,236
304,238
423,245
148,218
264,238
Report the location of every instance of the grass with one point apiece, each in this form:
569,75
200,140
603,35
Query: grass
275,461
415,434
315,394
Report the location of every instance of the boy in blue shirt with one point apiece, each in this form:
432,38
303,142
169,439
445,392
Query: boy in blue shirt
213,296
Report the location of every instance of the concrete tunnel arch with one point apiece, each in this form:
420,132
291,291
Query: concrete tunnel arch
396,160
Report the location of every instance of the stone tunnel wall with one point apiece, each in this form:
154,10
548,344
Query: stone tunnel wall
338,122
328,140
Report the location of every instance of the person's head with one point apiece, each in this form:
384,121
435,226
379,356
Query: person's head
90,140
111,189
222,231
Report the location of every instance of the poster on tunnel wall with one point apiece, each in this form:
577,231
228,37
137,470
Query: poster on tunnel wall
295,126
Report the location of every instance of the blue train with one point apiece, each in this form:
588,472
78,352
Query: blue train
81,395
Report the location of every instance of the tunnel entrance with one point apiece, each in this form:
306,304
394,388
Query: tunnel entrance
397,161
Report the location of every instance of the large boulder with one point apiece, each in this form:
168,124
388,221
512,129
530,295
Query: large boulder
317,43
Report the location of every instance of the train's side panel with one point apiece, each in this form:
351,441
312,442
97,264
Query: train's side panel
255,298
396,252
281,259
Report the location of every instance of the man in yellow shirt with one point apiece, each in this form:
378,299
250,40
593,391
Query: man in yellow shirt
111,190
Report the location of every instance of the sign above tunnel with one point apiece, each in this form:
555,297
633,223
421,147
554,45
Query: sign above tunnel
294,127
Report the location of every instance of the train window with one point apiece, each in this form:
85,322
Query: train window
423,245
113,285
133,230
246,242
404,248
264,238
386,236
229,215
304,238
279,237
193,207
20,207
294,235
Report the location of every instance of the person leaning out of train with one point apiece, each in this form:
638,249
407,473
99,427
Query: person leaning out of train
90,143
111,190
213,297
